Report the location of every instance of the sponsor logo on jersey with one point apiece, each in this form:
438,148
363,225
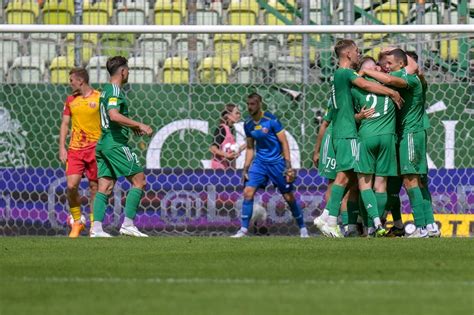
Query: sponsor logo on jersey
258,127
113,101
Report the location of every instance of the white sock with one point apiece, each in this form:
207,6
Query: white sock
398,224
244,230
332,221
377,222
127,222
370,230
325,215
97,226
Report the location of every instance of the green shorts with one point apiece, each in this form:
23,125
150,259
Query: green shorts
412,153
377,155
327,158
117,162
346,153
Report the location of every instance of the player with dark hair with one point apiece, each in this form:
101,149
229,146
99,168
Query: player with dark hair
267,158
345,138
82,109
114,157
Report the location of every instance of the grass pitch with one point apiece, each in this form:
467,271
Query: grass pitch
260,275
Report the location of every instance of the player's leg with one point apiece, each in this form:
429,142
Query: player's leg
105,187
93,188
91,173
370,202
431,226
74,201
394,185
352,204
132,202
296,212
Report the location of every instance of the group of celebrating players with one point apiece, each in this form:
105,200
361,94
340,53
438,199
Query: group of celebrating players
372,140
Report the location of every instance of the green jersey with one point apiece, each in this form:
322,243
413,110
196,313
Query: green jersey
329,117
344,125
383,121
113,134
426,119
410,117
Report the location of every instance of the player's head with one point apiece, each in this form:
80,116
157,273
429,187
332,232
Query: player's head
346,49
78,77
368,63
118,67
383,61
231,114
254,103
412,54
396,59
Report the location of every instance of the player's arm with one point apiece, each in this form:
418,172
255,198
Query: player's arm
364,114
385,78
319,139
63,131
120,119
290,173
219,137
377,88
248,158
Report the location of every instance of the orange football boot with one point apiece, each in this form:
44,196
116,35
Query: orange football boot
76,229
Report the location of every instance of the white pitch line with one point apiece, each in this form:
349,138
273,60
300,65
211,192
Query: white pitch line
233,281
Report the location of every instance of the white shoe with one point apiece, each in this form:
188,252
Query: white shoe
131,231
240,233
304,233
99,234
419,233
320,223
332,231
433,230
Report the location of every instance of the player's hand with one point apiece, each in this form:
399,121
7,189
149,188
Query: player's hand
245,175
145,129
361,73
316,159
231,155
63,154
366,113
397,99
290,175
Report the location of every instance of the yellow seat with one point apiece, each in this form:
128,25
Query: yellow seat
215,70
19,12
388,12
59,68
55,12
169,13
176,70
228,46
243,13
271,19
95,14
295,46
449,49
89,44
117,44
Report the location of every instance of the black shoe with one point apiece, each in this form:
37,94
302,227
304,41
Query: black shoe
395,232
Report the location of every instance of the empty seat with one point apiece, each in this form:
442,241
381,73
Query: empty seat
97,69
449,49
59,69
58,12
117,44
182,46
266,46
208,17
242,13
9,47
3,71
289,70
22,12
295,46
387,13
168,13
132,12
227,46
215,70
95,13
44,45
141,70
249,70
155,46
271,19
88,48
26,69
176,70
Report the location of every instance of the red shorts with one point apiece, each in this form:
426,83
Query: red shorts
82,162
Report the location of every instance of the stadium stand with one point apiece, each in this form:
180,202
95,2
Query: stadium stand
59,70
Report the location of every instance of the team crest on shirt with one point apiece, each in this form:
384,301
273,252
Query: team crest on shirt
92,104
265,130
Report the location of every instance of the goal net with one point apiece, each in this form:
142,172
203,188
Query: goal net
179,84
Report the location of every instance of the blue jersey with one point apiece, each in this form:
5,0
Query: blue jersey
267,145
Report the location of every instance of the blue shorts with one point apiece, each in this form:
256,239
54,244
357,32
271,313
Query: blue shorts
260,173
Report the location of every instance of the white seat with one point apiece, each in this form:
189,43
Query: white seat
9,47
155,46
44,45
249,70
132,12
207,17
27,69
181,46
97,69
141,70
266,46
289,70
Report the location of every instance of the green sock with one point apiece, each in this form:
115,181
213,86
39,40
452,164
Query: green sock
344,217
381,202
100,205
427,206
337,193
417,204
131,203
363,213
370,203
352,211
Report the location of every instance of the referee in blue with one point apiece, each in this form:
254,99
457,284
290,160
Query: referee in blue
267,158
